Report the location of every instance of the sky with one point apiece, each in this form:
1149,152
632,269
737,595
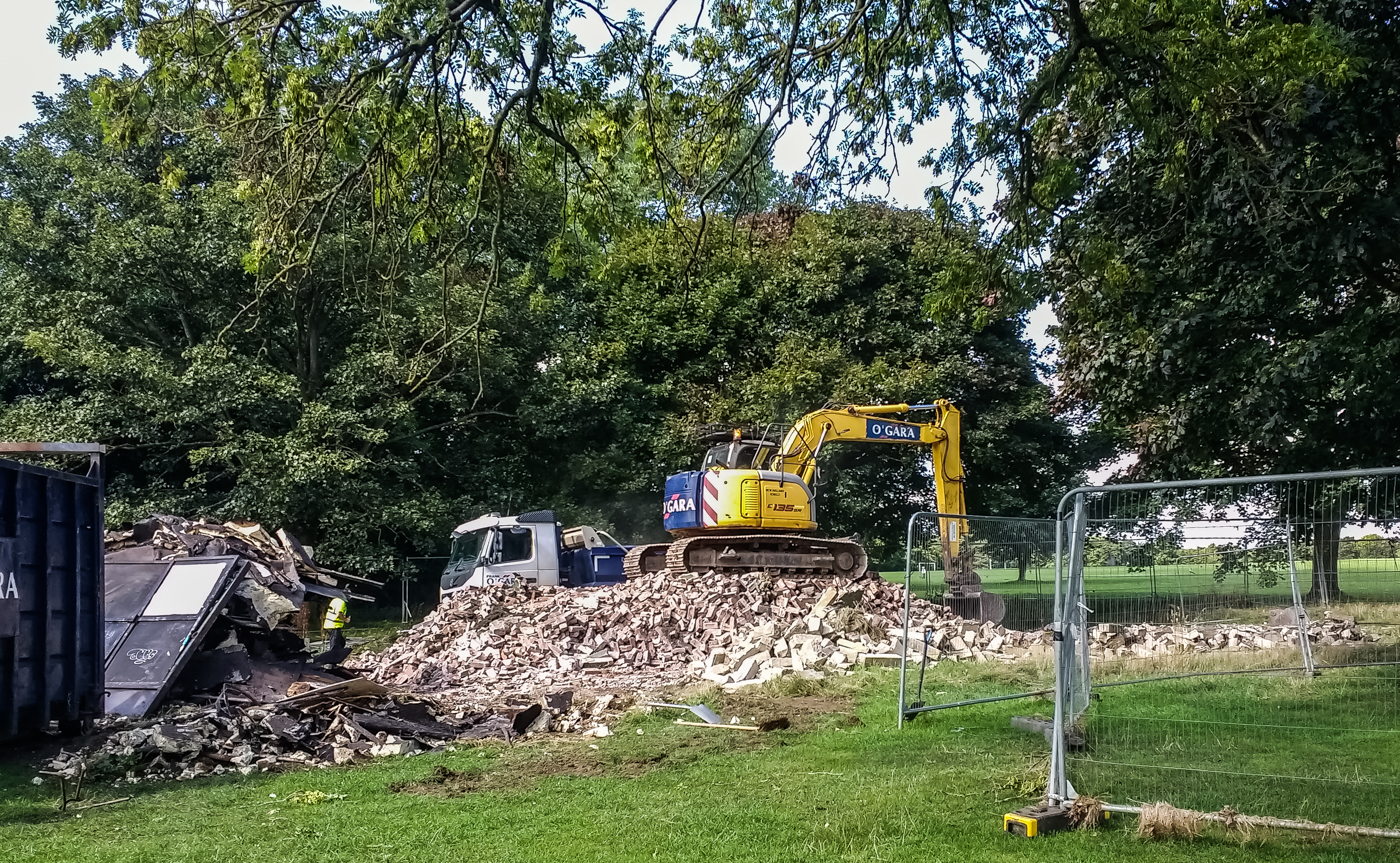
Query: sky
30,65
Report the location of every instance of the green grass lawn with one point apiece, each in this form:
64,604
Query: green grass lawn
1375,579
1325,749
843,785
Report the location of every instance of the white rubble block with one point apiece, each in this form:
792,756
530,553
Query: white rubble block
743,652
885,660
741,684
748,670
386,750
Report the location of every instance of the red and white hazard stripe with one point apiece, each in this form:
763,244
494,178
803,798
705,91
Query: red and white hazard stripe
709,500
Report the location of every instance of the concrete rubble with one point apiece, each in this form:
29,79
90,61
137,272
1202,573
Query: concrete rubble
1142,641
283,570
663,630
253,648
355,720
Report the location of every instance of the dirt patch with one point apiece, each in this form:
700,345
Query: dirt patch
515,776
802,712
521,771
508,774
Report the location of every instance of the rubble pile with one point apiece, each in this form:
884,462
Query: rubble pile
357,719
248,636
662,630
1146,640
825,641
280,565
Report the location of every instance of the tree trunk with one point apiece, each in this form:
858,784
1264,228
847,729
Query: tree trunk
1023,560
1327,541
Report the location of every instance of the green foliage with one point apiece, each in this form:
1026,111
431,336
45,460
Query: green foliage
328,403
1372,546
371,366
763,325
1225,270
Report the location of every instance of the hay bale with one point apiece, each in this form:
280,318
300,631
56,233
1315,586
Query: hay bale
1085,812
1164,821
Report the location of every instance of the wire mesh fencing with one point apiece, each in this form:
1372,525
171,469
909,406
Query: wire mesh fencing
1238,646
987,586
415,586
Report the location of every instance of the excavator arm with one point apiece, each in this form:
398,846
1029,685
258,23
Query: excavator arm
867,423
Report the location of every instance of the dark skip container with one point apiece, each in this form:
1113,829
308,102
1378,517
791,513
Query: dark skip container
51,624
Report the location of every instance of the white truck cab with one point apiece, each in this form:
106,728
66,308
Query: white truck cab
528,549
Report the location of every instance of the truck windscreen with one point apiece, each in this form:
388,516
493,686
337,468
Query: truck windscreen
466,547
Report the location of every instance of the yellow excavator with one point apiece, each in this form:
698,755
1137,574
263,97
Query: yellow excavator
750,505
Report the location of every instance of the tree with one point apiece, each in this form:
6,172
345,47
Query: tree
393,385
1224,262
781,314
336,404
701,108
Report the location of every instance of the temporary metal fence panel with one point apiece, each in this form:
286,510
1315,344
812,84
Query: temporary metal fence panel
50,594
1013,559
1241,640
419,582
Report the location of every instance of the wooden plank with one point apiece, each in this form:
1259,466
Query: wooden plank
710,725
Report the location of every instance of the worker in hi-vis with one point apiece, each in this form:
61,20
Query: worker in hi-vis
336,618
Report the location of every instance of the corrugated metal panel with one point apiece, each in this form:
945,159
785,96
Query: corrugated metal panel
51,621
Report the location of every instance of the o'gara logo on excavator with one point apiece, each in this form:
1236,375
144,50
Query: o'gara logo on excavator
890,431
677,503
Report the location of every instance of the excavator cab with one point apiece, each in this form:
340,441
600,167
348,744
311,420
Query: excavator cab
738,455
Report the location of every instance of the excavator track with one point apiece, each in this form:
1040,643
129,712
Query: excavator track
779,553
645,559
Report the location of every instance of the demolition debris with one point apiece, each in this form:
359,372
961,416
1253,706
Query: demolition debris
352,720
735,631
279,562
1141,641
193,606
660,630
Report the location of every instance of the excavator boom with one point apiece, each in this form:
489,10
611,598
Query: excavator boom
867,423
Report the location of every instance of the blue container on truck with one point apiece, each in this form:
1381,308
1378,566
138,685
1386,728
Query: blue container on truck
51,615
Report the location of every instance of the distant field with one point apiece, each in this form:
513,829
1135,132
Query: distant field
1374,578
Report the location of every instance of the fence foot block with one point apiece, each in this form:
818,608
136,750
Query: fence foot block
1040,819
